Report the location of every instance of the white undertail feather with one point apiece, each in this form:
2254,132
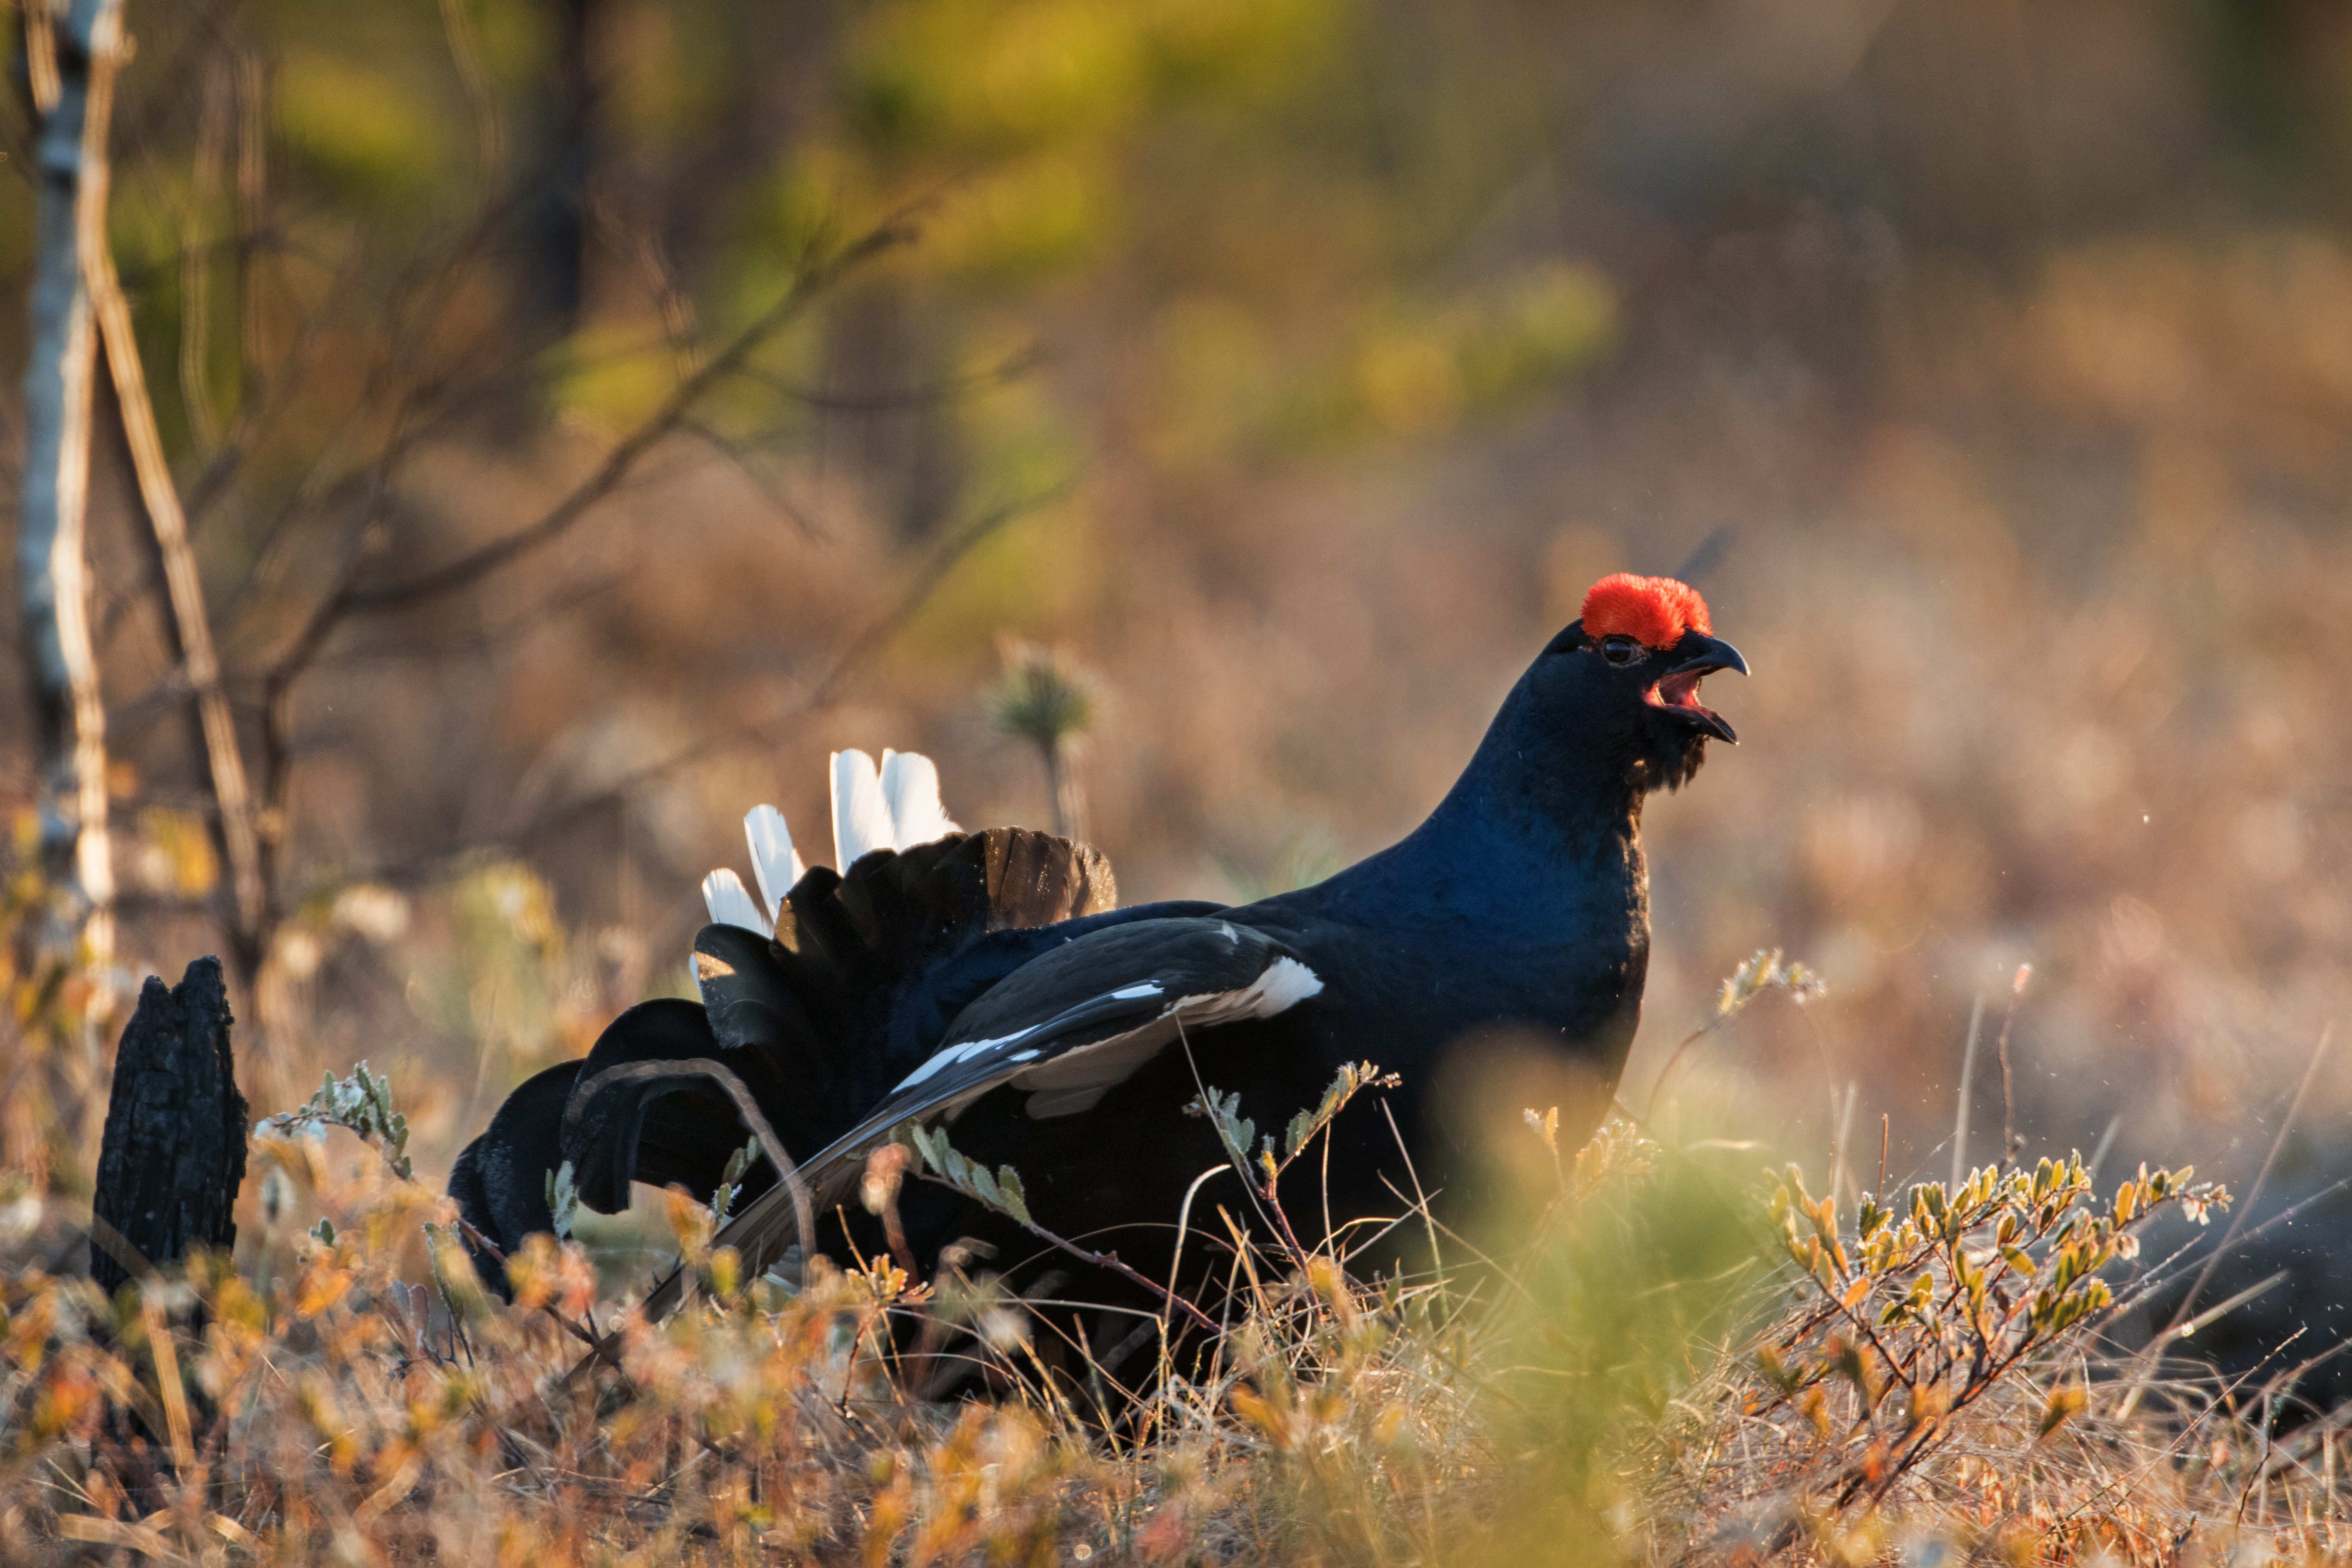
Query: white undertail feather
731,904
910,786
861,817
895,806
773,860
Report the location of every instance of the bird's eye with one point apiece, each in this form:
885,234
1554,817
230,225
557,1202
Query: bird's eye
1620,650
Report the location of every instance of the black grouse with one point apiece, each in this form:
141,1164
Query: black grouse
986,983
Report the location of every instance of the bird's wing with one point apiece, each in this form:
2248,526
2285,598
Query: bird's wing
1070,1026
1066,1027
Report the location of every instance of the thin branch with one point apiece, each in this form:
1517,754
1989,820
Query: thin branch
863,645
477,640
278,750
346,597
769,491
191,626
252,209
412,305
265,398
809,286
1960,1117
398,347
601,1347
414,301
2010,1142
928,394
746,1107
466,57
2237,1220
920,587
195,261
41,59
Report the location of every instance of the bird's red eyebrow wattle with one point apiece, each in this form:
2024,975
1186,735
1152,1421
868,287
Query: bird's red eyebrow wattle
1656,612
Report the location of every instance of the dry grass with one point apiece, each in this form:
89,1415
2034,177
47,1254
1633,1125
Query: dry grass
1658,1362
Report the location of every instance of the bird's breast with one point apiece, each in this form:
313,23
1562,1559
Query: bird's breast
1411,996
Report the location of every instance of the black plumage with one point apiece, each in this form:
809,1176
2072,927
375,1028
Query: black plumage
499,1179
866,970
1065,1040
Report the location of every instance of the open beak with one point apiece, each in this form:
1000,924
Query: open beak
1677,690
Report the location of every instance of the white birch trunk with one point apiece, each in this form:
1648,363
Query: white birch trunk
72,70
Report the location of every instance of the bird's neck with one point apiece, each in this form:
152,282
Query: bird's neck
1544,790
1542,840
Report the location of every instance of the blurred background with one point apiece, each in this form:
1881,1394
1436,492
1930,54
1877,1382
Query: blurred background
1287,368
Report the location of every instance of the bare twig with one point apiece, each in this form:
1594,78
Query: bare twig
1420,1198
415,304
195,260
1844,1112
192,627
928,394
277,699
2147,1360
824,692
2253,1194
810,284
740,460
266,399
746,1107
1766,971
927,578
410,311
465,55
1967,1082
2009,1140
347,596
41,59
252,210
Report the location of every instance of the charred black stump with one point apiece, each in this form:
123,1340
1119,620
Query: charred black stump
173,1153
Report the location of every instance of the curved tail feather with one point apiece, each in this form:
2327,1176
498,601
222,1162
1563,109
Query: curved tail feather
614,1128
500,1178
627,1120
775,862
910,787
724,895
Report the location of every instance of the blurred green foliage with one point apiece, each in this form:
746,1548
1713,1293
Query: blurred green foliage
1225,158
